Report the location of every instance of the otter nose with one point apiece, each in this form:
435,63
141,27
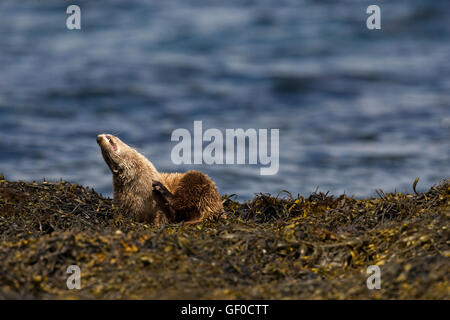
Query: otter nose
100,137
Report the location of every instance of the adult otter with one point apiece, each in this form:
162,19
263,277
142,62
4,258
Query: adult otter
153,197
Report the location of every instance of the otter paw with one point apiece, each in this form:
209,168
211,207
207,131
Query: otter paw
162,190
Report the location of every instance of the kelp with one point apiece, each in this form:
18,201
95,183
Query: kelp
272,247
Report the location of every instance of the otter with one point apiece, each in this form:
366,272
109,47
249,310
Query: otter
154,197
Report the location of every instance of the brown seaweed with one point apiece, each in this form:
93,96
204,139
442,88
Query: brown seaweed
281,247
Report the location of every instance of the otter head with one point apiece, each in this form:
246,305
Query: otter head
114,152
122,159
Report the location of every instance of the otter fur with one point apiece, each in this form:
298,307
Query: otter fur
154,197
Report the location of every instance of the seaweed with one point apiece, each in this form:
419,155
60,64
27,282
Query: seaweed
272,247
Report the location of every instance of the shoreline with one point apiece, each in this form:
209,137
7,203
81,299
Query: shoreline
316,247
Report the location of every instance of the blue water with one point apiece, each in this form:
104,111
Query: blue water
357,109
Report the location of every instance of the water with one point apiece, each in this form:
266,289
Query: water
357,109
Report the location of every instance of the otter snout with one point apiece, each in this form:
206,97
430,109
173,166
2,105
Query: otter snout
104,136
108,139
100,138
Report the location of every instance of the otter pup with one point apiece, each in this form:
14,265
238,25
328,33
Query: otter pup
153,197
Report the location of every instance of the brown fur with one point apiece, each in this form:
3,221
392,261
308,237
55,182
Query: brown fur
195,196
189,197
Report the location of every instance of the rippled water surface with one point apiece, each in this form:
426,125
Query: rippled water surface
357,109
